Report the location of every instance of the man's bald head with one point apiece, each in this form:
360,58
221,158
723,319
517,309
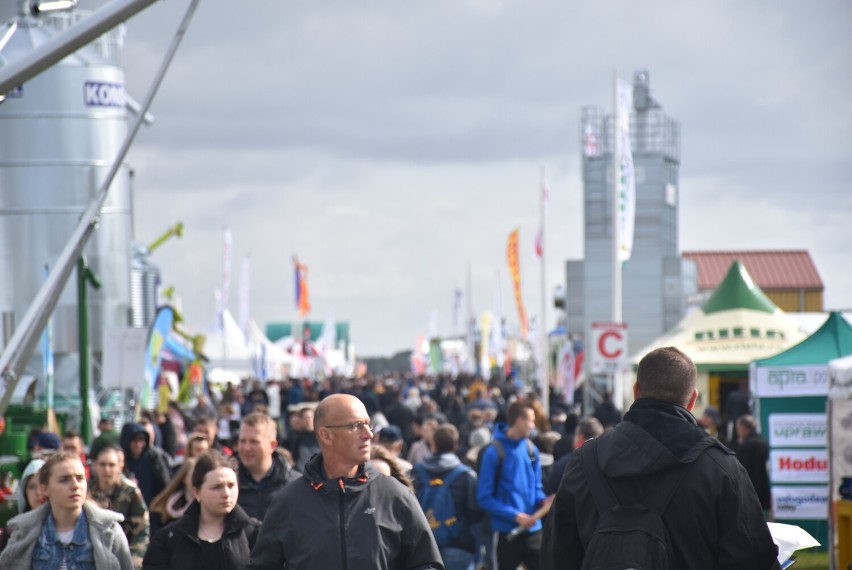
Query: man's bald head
333,407
343,433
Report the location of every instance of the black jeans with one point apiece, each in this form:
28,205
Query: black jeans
525,548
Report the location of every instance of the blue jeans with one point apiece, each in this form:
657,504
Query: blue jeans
456,558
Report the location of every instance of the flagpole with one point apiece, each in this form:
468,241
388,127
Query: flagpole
616,218
616,164
544,374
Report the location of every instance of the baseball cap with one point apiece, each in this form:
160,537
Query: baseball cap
390,434
48,440
713,414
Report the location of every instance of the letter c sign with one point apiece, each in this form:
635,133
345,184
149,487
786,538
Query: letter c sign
608,347
610,350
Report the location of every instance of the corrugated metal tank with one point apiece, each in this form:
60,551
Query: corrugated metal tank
144,283
59,133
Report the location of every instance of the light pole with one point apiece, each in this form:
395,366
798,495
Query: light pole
84,277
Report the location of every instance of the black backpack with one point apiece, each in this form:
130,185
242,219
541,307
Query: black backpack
631,537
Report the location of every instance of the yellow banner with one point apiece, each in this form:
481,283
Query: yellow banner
515,272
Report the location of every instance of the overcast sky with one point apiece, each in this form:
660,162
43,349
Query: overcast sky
389,143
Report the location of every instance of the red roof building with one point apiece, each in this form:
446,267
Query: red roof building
788,277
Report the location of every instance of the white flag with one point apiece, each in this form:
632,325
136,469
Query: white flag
245,297
227,246
626,178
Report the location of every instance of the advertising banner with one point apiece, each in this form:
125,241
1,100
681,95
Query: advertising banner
800,503
798,430
786,381
798,466
515,271
608,349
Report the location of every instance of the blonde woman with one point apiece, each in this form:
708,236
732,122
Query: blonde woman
66,532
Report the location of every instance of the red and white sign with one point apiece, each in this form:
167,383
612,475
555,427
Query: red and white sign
608,348
798,465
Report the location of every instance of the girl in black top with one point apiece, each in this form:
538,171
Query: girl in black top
214,532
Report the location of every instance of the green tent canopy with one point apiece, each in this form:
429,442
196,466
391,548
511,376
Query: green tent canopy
832,340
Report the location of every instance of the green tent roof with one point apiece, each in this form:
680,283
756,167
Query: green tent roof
738,291
832,340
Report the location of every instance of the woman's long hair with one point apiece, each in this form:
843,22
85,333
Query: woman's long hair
381,454
158,504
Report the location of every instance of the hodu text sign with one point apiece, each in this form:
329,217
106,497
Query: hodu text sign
798,465
608,347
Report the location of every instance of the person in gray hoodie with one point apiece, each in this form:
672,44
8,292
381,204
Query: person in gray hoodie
66,531
29,492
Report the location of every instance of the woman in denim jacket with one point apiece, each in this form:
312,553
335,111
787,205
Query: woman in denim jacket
67,532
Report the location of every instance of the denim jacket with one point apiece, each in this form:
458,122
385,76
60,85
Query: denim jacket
50,552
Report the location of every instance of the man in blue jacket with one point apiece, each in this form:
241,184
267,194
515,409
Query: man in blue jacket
510,490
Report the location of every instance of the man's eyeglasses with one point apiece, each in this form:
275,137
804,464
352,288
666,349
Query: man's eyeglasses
355,427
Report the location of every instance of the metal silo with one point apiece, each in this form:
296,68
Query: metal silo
59,134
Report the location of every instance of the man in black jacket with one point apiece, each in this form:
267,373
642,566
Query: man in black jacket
753,453
262,471
343,513
714,519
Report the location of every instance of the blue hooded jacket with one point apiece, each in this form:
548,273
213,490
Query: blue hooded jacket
519,488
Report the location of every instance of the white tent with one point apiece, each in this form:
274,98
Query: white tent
275,359
225,346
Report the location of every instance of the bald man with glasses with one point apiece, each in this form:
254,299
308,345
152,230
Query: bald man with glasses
343,513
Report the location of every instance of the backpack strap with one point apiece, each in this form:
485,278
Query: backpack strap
421,476
454,474
498,472
602,494
501,455
531,450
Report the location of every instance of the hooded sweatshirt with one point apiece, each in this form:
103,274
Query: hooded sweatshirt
151,469
515,489
30,471
714,519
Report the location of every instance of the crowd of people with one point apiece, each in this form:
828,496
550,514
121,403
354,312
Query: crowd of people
391,472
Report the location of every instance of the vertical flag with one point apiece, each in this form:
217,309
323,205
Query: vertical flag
47,369
539,237
458,296
565,372
245,298
626,178
300,274
485,338
515,272
226,267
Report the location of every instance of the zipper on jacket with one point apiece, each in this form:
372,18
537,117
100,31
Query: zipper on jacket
342,525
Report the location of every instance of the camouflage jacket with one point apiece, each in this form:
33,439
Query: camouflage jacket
126,498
